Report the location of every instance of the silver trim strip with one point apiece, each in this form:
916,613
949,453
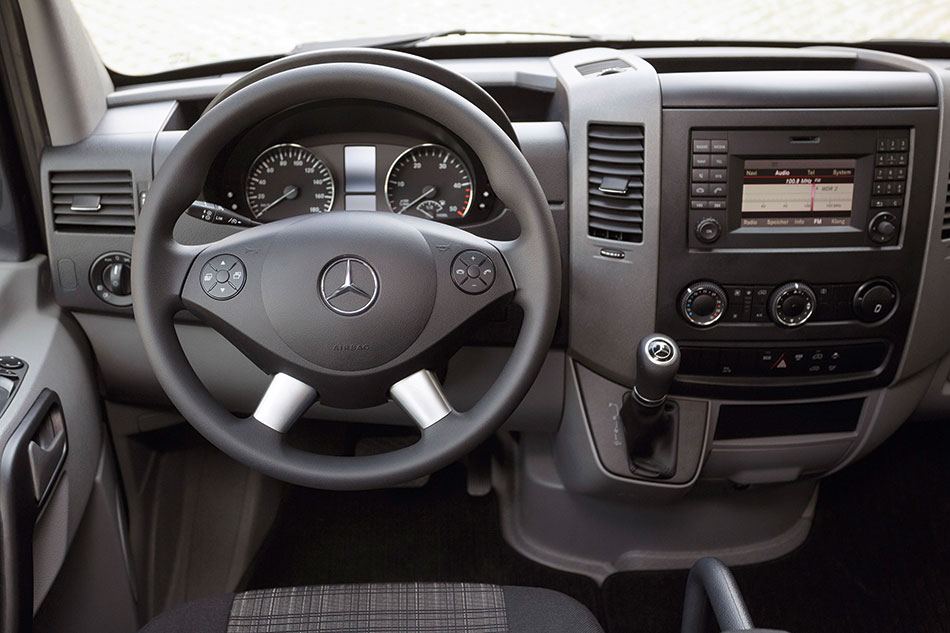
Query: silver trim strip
420,395
285,400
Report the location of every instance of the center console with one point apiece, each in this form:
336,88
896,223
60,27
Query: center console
815,234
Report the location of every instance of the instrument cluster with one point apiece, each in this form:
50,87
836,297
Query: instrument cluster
391,161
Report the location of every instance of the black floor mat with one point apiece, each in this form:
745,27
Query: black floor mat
877,558
437,533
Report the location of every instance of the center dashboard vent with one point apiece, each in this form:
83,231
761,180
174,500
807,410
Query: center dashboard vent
93,201
615,182
945,231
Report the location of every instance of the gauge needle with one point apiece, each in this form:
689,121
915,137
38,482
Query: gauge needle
290,192
425,194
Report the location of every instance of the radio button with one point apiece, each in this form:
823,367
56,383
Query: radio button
701,145
708,230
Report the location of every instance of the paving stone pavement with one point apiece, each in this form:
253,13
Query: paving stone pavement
146,36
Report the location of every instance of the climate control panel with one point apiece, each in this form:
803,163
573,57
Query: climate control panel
705,303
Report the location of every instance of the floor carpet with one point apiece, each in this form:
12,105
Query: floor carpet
877,559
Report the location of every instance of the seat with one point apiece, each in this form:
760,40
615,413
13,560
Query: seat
382,608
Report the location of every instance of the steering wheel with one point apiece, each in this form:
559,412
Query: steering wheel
348,308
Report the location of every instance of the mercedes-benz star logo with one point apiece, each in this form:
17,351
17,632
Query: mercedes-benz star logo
349,286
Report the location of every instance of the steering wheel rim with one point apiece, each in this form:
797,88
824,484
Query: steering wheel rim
163,267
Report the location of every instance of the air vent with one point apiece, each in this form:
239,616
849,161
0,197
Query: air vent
93,201
945,231
615,182
605,67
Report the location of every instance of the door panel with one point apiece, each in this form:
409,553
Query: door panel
59,373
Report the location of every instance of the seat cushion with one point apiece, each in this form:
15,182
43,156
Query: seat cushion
382,608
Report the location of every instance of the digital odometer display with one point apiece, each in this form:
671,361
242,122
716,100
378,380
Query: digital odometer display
798,193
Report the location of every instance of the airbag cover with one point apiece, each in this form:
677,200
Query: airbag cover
307,263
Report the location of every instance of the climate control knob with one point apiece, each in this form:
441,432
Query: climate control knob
792,304
703,303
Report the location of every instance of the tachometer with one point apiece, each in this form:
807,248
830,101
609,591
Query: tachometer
288,180
430,181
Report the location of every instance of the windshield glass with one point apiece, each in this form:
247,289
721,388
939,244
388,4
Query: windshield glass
140,37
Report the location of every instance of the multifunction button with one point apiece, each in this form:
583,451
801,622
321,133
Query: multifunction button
223,277
473,272
883,227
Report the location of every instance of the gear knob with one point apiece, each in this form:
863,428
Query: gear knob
658,360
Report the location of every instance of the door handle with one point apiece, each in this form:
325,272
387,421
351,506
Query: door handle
47,454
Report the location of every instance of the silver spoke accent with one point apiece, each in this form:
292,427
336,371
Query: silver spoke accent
285,400
420,395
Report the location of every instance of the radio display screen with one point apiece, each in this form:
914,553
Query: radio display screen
798,193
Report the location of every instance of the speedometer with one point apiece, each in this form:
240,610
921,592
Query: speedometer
430,181
288,180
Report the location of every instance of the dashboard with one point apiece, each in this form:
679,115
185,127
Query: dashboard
780,213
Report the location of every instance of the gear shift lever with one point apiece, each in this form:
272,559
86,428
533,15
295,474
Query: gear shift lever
650,424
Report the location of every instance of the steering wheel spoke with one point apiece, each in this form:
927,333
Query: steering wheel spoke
285,400
166,287
420,395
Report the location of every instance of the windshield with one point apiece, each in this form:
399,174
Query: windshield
141,37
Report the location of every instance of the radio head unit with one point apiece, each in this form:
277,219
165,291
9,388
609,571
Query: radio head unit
767,189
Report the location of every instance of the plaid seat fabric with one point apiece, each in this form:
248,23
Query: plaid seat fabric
371,608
